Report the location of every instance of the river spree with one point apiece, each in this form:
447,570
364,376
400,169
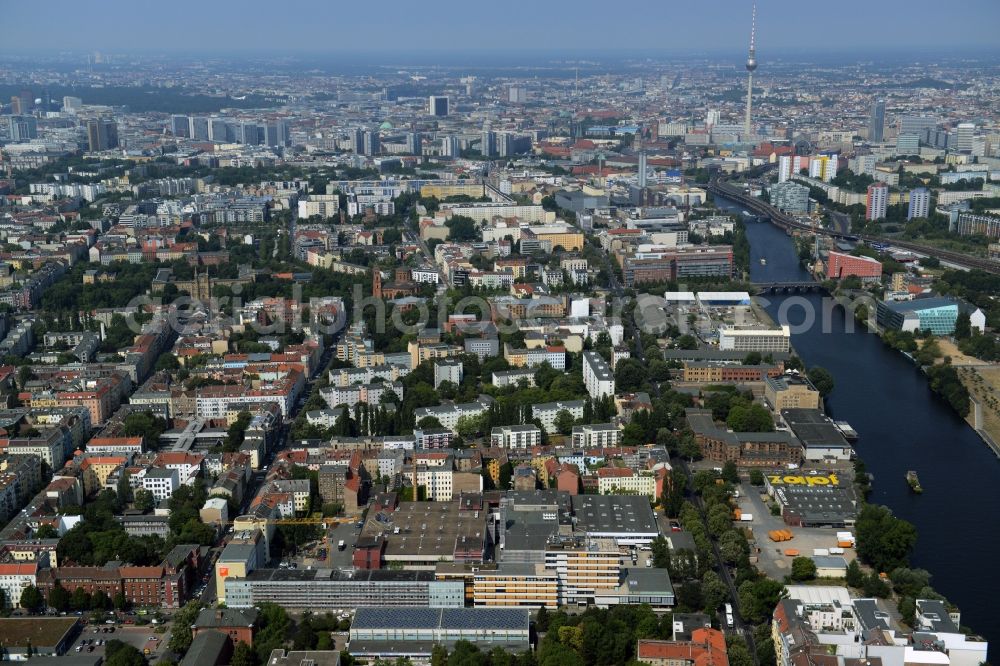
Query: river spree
902,426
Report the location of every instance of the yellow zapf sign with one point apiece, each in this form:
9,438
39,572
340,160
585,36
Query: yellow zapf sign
801,480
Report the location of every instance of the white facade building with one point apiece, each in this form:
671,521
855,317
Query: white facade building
755,339
546,412
516,436
597,375
448,415
596,435
161,483
448,370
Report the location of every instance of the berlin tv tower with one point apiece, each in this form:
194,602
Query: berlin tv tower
751,67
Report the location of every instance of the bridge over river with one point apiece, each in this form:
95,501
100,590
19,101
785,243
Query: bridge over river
787,222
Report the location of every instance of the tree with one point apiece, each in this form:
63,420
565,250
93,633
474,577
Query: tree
884,541
737,652
855,576
462,228
144,500
874,586
688,447
803,568
732,548
99,600
718,524
689,597
660,551
713,591
563,421
80,599
146,425
963,326
750,418
46,531
274,623
468,427
633,434
759,597
673,494
24,375
119,653
909,582
243,655
429,422
542,620
237,432
305,637
730,473
439,654
167,362
630,374
753,358
180,637
32,599
687,341
59,598
821,379
756,477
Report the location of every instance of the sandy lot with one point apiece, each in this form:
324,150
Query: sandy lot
948,348
983,383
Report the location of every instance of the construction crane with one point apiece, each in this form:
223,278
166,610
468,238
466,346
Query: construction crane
308,520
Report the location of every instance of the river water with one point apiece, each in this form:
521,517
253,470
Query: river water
902,426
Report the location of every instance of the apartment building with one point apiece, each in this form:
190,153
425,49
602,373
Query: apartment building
790,391
546,412
710,372
516,436
533,357
597,375
351,395
328,589
160,482
504,378
586,567
448,415
840,266
746,449
516,585
14,578
596,435
761,340
626,481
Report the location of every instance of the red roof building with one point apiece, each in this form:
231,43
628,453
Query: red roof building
707,647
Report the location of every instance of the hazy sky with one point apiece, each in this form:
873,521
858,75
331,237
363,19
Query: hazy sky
435,25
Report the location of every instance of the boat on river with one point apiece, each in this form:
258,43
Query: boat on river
914,481
763,261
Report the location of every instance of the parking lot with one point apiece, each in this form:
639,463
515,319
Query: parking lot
337,559
773,561
93,638
320,554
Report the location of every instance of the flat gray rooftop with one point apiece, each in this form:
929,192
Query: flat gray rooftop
614,514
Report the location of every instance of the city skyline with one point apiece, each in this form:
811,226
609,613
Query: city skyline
447,26
582,333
